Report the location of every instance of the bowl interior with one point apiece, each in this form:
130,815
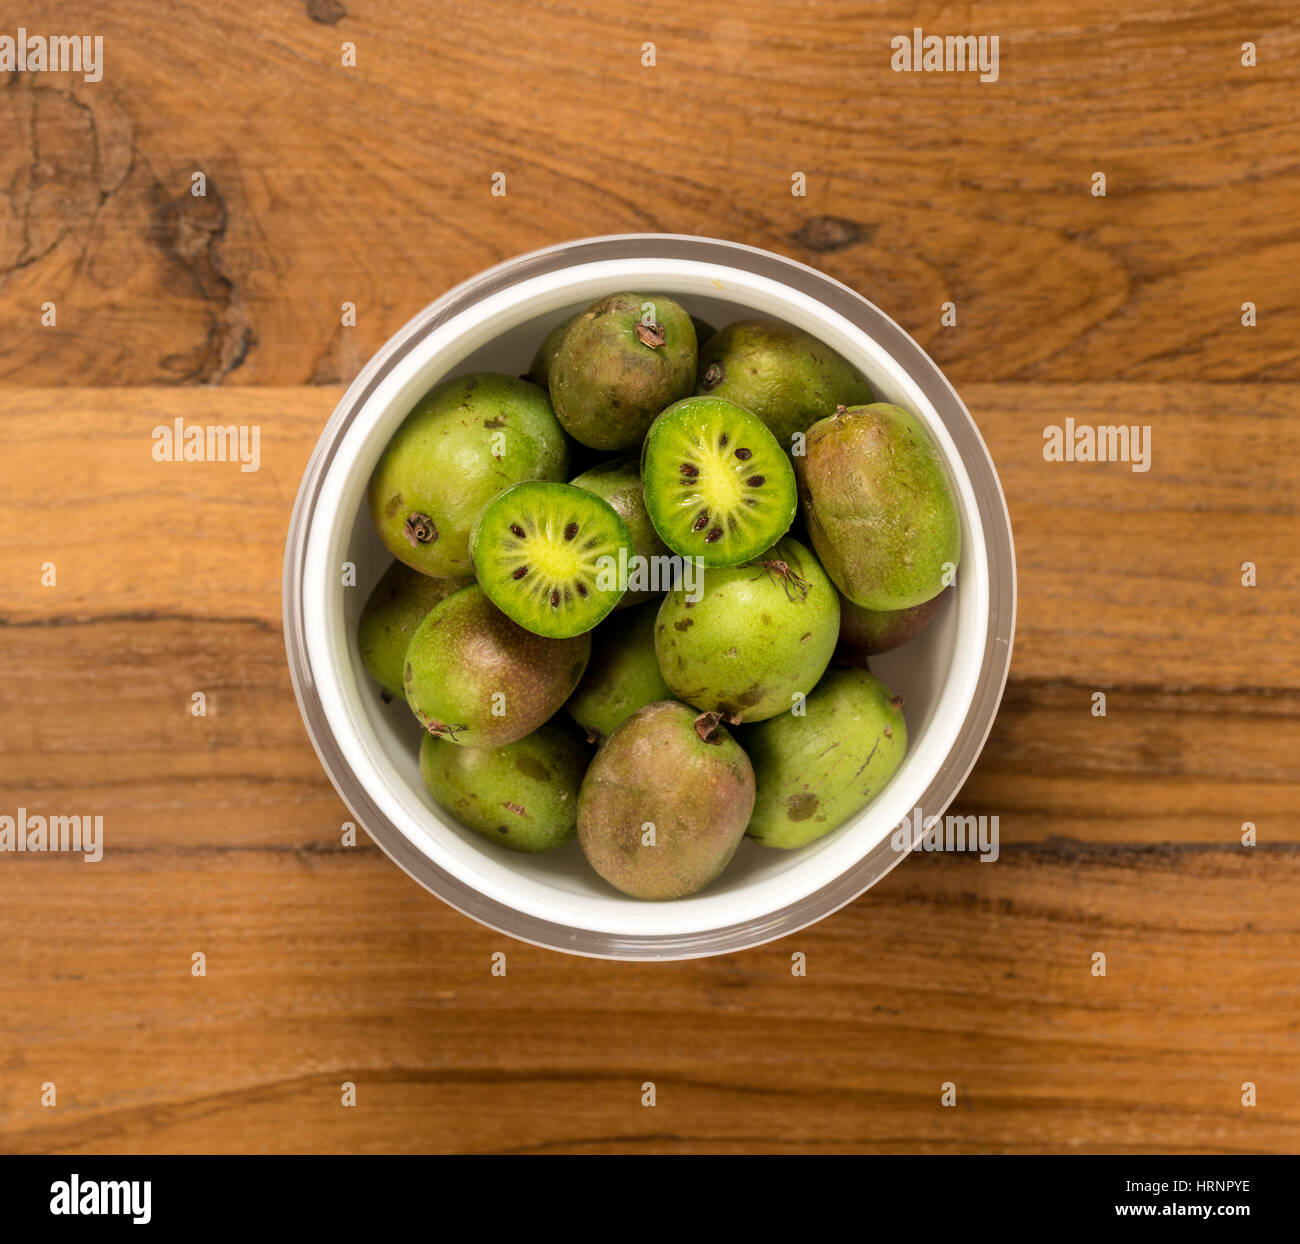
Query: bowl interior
936,673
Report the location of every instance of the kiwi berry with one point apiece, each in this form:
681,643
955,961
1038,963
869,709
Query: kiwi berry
718,486
620,363
619,483
480,680
548,555
400,602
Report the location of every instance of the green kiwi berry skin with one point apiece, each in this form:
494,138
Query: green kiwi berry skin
815,771
623,673
540,371
665,803
465,441
557,500
880,512
613,373
671,501
399,603
619,483
522,796
784,375
480,680
760,637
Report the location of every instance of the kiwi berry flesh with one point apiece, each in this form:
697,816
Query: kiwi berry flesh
880,512
623,674
480,680
620,363
816,770
717,485
398,604
619,483
784,375
465,441
665,802
759,638
523,796
548,556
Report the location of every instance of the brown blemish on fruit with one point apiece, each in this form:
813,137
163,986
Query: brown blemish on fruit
393,506
683,624
497,421
800,807
517,808
713,376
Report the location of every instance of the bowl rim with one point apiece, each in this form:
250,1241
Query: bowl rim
905,353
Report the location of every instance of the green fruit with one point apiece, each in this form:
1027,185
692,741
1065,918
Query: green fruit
399,603
665,803
816,771
540,371
864,632
523,796
622,676
547,555
465,441
784,375
619,483
717,485
761,634
622,361
475,677
879,510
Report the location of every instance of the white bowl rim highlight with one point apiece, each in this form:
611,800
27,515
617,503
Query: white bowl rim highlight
470,878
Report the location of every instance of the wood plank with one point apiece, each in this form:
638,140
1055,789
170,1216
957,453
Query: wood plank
330,966
309,204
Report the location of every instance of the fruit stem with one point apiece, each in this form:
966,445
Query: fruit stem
707,723
791,580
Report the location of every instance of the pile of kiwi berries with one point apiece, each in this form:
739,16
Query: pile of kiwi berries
567,689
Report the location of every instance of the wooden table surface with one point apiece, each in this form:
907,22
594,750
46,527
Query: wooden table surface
372,184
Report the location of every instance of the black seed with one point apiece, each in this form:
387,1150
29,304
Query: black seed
701,521
688,470
555,599
715,534
517,530
723,440
744,454
582,590
570,531
756,481
519,574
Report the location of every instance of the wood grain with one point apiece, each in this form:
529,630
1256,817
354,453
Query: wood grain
372,184
951,971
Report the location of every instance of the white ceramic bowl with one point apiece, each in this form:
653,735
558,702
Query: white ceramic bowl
951,676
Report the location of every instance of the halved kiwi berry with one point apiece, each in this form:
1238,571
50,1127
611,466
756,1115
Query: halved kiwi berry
538,551
718,486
